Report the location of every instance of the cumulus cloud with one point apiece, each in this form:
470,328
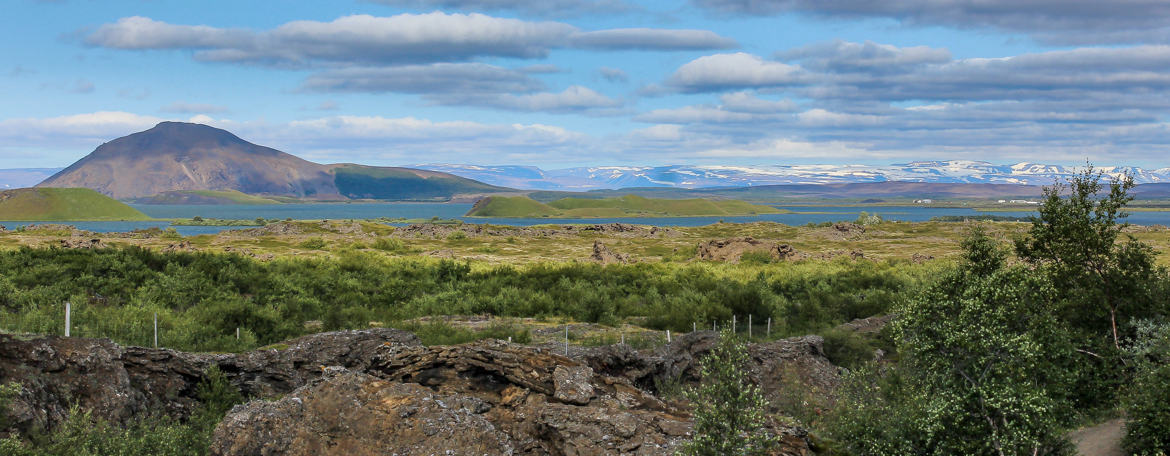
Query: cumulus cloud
430,78
367,139
182,107
652,39
102,125
544,8
1052,21
845,56
572,99
399,39
738,107
733,71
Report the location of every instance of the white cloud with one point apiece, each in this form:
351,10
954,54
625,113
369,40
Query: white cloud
652,39
733,71
572,99
474,78
399,39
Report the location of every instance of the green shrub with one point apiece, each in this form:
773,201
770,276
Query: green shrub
730,417
387,244
312,244
1147,427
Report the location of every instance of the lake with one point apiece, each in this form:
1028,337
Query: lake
344,211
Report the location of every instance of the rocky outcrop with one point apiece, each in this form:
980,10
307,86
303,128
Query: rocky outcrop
380,417
118,383
380,392
775,365
731,250
604,255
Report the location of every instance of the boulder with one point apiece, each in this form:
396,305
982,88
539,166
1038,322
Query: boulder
732,249
604,255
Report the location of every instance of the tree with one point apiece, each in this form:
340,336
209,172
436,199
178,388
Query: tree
1147,427
1076,239
974,372
729,410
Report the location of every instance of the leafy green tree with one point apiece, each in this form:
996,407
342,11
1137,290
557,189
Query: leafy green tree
1147,429
974,372
1077,239
729,410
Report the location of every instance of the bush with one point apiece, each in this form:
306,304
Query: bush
1147,429
312,244
730,417
392,245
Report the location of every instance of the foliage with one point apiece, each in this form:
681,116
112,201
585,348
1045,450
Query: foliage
312,244
393,245
729,411
975,368
1147,429
201,298
1104,280
8,391
84,434
865,218
440,333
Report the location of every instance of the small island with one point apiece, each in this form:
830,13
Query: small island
63,204
625,206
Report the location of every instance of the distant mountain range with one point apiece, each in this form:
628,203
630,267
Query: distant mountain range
691,177
151,166
24,177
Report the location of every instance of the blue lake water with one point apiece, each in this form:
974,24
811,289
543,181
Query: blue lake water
456,211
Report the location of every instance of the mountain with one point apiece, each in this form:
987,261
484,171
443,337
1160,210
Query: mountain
61,204
176,156
681,176
25,177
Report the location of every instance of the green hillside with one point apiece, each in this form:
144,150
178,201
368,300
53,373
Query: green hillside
625,206
206,197
368,182
63,204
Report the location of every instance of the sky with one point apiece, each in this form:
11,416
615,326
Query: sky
563,83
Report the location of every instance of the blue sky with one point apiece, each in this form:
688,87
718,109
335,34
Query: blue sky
560,83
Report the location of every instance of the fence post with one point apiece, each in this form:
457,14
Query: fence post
156,330
733,324
237,333
749,326
694,326
68,307
769,327
668,336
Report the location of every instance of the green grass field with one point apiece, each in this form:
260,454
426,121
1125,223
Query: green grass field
625,206
63,204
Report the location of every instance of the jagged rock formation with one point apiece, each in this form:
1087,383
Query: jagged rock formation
604,255
118,383
380,392
799,360
731,250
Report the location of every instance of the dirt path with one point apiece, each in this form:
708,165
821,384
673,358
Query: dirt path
1101,440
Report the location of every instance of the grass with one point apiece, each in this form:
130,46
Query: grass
63,204
625,206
